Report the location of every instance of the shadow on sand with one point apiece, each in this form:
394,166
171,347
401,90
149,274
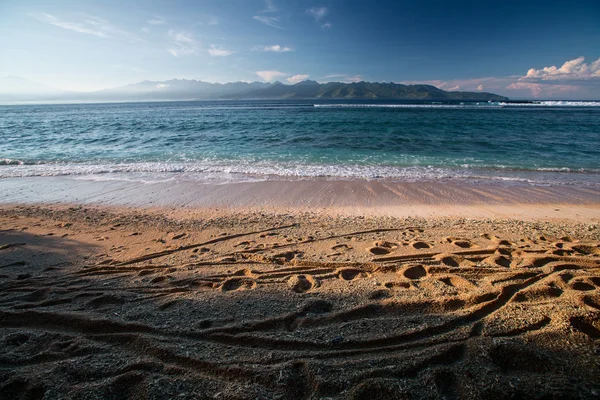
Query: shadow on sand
153,329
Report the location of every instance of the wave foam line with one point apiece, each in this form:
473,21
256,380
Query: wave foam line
473,105
226,171
550,103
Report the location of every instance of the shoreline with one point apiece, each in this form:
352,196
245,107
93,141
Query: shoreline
331,197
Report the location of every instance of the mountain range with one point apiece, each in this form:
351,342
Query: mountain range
14,89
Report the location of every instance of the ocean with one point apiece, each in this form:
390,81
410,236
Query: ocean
540,143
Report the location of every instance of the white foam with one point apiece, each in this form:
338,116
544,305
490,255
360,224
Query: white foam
435,105
550,103
222,171
480,104
9,161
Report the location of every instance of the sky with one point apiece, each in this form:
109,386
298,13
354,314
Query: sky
521,49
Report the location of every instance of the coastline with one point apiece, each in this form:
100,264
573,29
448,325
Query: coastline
333,197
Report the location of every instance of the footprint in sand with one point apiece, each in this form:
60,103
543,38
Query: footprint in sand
382,247
537,293
420,245
449,259
238,284
583,284
504,251
286,256
497,261
465,244
414,272
586,249
350,274
244,272
301,283
378,251
386,245
462,243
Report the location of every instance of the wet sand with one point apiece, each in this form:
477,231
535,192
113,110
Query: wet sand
230,302
333,197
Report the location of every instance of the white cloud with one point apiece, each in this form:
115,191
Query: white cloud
80,27
269,21
274,49
575,79
156,21
318,13
341,78
270,76
89,25
548,90
510,86
297,78
162,85
331,76
218,51
183,43
181,37
473,84
269,7
575,69
535,88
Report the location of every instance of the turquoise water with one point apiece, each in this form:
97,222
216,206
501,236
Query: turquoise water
544,143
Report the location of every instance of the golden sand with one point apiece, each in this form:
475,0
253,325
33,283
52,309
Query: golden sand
130,303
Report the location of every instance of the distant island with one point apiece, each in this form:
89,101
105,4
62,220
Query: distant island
184,89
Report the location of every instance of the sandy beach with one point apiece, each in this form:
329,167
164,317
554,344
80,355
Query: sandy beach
312,200
484,296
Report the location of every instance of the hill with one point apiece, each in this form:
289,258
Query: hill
185,89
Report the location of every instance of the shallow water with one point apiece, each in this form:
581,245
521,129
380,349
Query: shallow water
544,143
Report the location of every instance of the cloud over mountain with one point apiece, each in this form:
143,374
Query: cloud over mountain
575,69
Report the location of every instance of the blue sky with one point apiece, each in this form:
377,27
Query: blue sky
521,49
